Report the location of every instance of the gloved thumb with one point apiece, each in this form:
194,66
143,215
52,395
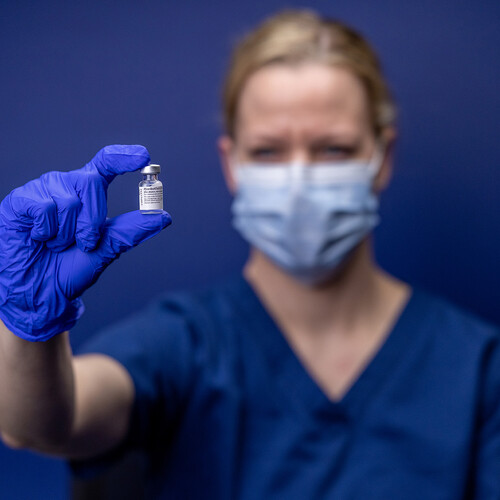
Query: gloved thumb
126,231
79,270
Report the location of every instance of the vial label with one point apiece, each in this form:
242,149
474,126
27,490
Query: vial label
151,198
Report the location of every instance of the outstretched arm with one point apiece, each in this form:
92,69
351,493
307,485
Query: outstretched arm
56,404
55,241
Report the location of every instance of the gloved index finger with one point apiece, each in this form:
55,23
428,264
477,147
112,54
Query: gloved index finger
91,182
114,160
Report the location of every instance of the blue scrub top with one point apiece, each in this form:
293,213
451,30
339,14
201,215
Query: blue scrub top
224,409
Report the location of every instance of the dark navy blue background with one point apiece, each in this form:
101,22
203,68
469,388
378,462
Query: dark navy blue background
76,76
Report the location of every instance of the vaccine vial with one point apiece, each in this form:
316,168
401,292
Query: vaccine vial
150,190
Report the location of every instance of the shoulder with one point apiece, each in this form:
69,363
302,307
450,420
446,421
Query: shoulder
182,324
454,345
451,321
456,352
201,310
196,305
178,310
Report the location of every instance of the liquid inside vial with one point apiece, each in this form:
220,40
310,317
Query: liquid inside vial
150,190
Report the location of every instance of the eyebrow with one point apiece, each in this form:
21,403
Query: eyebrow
351,140
266,138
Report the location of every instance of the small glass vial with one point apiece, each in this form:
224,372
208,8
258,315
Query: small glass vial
150,190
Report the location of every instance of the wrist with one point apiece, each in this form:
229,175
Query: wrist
32,327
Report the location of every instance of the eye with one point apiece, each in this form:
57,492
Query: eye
265,153
332,152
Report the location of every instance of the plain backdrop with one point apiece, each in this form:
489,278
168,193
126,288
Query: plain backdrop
76,76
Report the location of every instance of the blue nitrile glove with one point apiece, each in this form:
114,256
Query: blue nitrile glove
55,241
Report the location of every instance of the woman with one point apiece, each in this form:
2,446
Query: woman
315,375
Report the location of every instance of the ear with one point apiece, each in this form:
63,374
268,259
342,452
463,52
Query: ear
388,140
225,147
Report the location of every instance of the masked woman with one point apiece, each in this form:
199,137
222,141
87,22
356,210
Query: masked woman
314,374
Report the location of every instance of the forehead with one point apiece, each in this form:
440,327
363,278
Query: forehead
307,98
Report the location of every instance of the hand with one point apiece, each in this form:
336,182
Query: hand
55,241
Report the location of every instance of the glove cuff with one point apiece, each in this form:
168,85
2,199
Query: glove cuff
20,322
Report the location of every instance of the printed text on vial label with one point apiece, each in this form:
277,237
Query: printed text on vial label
151,198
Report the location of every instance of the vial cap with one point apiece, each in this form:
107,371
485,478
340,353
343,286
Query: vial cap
151,169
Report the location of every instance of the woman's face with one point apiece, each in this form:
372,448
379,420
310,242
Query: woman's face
309,113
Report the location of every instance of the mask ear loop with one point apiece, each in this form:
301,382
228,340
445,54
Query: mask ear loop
234,168
376,160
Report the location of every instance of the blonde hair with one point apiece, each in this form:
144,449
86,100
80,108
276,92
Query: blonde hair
297,36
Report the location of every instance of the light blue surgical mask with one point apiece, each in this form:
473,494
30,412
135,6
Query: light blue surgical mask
306,218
